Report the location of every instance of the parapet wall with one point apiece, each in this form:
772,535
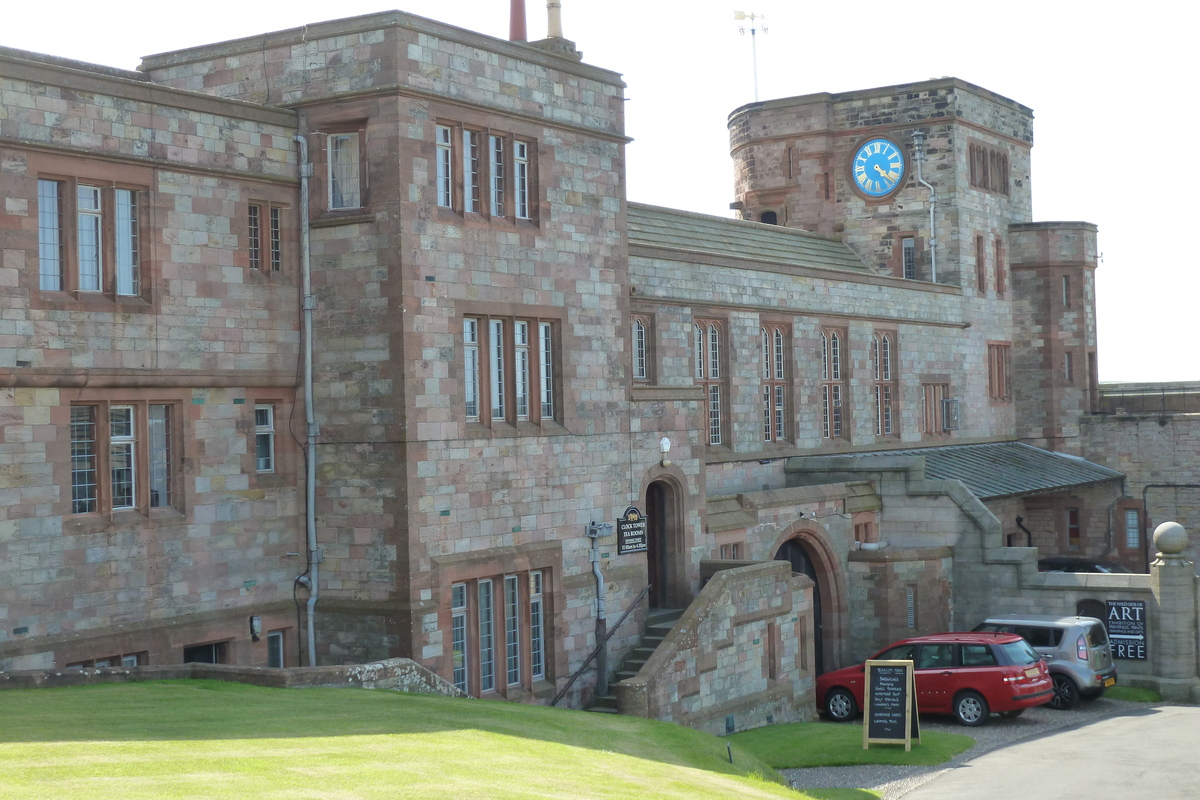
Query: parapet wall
740,657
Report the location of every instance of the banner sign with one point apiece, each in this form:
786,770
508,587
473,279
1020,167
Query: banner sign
1126,626
631,532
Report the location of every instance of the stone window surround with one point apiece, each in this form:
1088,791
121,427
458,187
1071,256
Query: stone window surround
484,214
72,171
934,389
999,363
494,564
140,400
701,368
884,380
318,141
988,168
835,379
561,344
896,262
650,349
288,456
772,328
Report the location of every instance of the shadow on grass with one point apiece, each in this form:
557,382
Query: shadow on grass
204,710
843,794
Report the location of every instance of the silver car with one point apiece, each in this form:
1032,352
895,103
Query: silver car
1075,648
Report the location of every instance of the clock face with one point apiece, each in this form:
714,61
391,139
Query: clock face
878,167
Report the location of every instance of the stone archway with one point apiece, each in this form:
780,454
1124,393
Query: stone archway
666,568
806,547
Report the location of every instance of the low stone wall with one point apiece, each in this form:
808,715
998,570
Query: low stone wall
740,657
396,674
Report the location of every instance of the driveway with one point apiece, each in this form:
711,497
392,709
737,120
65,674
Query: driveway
1147,753
1044,737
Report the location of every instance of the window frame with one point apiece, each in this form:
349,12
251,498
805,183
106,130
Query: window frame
934,394
265,236
143,455
775,343
834,420
277,641
122,262
359,196
883,374
501,371
999,363
484,173
643,348
264,432
708,372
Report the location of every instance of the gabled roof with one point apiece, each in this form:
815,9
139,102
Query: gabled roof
1005,469
653,226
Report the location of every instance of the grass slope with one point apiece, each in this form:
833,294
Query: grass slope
822,744
202,739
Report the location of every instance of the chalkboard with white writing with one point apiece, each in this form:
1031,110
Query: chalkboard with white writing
889,711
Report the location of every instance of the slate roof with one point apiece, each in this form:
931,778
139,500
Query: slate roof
1005,469
652,226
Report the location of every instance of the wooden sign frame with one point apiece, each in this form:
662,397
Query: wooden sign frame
912,724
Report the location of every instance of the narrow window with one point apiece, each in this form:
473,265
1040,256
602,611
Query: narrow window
980,266
825,429
1068,368
50,241
998,248
910,604
546,354
639,350
886,355
698,350
512,630
835,357
1066,289
471,367
521,367
875,356
1133,528
714,352
537,634
999,365
160,456
470,171
128,274
1074,536
497,177
276,242
264,438
121,455
521,178
255,237
881,356
708,373
836,411
487,676
887,410
83,459
90,246
458,633
773,389
778,354
275,650
344,183
908,254
496,367
714,414
445,170
832,389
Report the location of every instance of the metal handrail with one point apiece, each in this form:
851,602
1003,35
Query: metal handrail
599,645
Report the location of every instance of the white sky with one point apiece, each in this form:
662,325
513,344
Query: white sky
1112,88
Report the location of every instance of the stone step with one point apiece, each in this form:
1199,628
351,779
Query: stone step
624,674
602,710
603,702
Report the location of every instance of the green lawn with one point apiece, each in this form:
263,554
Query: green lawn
822,744
203,739
1134,694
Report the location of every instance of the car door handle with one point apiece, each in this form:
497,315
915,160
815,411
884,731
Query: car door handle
947,672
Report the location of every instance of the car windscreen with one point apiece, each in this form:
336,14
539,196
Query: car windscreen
1017,654
1097,635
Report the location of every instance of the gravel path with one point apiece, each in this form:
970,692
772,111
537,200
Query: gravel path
896,781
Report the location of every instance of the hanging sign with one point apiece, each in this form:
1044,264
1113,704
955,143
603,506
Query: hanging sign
631,532
890,704
1125,622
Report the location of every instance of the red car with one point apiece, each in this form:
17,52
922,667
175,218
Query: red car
968,675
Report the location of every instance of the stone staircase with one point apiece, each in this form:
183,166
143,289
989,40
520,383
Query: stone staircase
658,625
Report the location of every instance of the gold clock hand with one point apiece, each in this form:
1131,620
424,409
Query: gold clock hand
879,169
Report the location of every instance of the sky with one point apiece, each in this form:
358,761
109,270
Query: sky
1111,87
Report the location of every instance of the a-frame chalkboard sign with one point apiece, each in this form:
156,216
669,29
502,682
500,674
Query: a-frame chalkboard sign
890,704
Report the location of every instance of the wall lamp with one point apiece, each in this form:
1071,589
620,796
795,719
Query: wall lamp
664,447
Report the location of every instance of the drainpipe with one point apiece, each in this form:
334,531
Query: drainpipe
310,422
919,156
594,531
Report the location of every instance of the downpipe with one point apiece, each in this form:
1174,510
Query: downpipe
918,147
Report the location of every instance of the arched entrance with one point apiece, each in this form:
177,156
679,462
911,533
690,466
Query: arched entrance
794,552
663,546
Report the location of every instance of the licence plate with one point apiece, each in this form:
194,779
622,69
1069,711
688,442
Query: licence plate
1109,682
1032,672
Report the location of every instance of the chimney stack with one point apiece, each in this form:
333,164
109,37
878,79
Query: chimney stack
516,21
554,26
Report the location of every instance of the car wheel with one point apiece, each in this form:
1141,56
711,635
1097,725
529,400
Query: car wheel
1016,712
840,705
1066,693
970,709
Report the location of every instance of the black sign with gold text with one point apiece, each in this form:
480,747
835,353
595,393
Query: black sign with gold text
631,532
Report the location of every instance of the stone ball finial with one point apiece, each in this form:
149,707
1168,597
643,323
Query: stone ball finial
1170,538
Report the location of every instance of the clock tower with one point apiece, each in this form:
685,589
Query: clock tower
845,165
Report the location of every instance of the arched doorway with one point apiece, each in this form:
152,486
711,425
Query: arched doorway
663,545
795,553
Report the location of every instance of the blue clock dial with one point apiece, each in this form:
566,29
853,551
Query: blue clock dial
878,167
